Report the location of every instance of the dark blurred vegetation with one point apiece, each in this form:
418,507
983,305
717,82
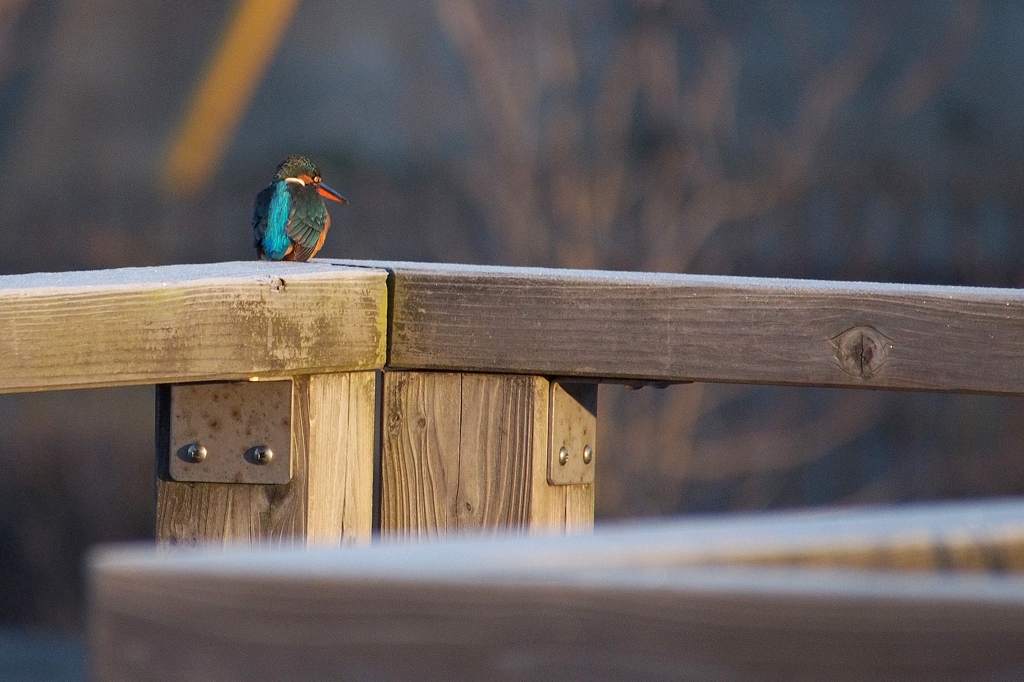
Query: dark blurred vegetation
826,139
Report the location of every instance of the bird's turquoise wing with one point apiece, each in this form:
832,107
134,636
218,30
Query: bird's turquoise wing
307,219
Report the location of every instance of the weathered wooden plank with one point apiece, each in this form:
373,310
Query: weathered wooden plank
672,327
645,601
341,441
579,508
420,453
330,497
187,323
547,502
467,452
691,624
496,451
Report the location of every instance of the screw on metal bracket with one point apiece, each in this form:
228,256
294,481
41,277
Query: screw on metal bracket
227,422
195,453
572,432
261,454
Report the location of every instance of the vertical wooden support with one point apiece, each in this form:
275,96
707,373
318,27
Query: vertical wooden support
469,452
329,499
572,423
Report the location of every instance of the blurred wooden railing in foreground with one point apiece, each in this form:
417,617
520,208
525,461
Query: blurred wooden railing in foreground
649,601
317,403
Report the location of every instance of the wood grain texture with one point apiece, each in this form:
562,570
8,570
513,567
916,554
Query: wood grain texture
188,323
330,497
420,453
340,453
643,601
547,502
496,451
466,452
579,508
669,327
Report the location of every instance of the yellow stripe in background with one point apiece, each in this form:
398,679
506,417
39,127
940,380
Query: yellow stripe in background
222,96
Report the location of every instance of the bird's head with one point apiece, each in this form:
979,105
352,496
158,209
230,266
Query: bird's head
299,169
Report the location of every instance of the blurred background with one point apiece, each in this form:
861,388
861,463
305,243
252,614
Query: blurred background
825,139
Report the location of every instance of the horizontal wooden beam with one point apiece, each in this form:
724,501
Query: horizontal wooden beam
665,600
241,320
187,323
671,327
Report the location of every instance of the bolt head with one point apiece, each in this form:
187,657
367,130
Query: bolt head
588,454
563,456
261,454
195,453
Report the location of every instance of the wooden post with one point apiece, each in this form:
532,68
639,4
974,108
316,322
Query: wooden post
329,499
467,451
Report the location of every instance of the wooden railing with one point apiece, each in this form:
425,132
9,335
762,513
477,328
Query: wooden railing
417,400
667,327
239,320
188,323
707,600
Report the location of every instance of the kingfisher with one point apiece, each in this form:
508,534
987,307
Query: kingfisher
290,220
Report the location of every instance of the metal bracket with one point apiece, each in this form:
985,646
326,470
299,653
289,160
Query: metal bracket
237,432
573,433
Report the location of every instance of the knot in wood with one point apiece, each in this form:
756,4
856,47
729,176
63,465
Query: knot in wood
861,351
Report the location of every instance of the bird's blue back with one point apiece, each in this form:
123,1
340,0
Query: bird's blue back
275,240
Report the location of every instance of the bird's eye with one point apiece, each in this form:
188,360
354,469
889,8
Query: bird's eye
316,180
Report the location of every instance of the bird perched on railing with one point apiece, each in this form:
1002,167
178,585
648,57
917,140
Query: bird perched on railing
290,220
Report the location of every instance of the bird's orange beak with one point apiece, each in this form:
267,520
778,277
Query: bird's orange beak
328,193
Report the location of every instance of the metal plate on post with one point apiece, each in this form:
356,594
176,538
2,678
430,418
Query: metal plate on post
572,448
232,432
